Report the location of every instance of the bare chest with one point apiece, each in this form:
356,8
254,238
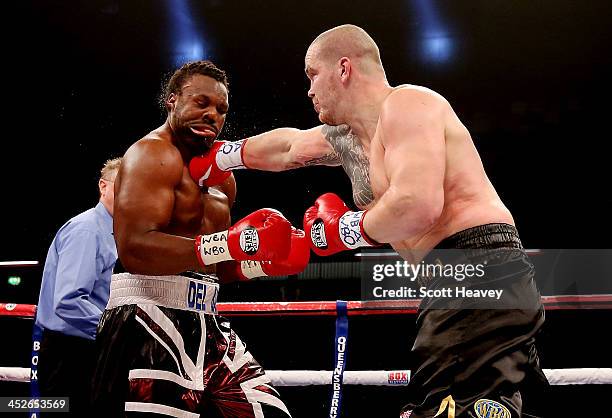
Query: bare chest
378,177
197,212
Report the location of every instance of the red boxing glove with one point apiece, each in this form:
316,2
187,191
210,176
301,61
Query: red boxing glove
295,263
216,165
263,235
332,227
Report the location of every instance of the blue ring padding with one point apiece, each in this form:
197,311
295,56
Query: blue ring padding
340,344
34,390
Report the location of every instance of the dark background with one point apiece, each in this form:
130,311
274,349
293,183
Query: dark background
530,80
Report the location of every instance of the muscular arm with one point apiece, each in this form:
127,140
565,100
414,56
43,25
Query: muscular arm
288,148
144,201
227,270
412,127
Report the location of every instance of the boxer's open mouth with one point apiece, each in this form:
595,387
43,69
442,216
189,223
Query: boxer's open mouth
206,131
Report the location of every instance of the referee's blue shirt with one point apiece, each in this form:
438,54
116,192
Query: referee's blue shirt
76,279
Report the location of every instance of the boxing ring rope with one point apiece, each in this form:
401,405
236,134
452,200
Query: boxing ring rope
580,376
586,376
328,308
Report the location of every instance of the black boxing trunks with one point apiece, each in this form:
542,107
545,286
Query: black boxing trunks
163,350
473,359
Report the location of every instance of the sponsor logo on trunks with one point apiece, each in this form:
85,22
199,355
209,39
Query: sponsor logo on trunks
10,306
486,408
317,234
249,240
196,296
406,414
398,378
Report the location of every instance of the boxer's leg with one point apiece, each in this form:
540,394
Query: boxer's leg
238,386
116,346
471,355
167,374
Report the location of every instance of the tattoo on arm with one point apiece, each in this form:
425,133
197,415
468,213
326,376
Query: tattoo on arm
329,159
335,134
349,152
332,158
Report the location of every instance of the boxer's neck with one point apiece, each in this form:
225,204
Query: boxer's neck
363,118
187,152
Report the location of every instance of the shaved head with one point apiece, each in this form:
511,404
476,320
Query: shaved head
344,70
347,41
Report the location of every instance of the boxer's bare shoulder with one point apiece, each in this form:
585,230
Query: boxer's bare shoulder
154,157
410,111
409,99
415,90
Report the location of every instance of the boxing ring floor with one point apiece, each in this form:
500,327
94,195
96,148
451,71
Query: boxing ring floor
294,341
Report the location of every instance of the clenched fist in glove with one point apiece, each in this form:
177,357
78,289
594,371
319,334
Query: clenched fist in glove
216,165
295,263
331,227
264,235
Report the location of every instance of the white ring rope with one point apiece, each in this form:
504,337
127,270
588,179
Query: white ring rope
14,374
586,376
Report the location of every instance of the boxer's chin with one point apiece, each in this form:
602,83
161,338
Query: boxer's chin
323,118
326,119
201,142
206,143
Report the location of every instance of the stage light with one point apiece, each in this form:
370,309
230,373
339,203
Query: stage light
189,42
435,39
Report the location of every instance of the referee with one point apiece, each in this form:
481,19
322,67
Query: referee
74,291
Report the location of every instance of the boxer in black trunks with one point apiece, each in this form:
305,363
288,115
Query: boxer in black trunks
162,350
419,183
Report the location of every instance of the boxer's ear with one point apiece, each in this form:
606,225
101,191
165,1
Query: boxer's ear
171,101
344,68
